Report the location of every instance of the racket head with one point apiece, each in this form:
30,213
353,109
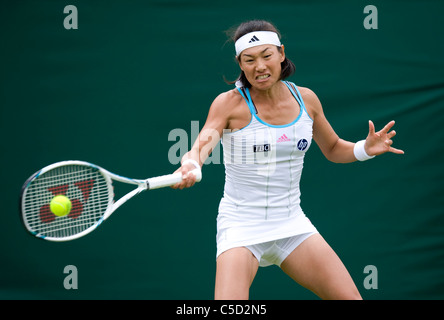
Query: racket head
89,188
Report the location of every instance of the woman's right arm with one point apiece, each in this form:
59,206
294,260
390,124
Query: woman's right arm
217,120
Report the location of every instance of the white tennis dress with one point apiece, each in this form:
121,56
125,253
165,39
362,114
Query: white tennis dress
263,166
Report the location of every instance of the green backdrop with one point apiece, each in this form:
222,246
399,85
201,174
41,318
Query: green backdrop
111,91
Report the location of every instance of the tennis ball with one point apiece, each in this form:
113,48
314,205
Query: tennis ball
60,205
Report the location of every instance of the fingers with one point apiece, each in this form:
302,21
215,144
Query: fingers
391,134
382,140
188,177
388,126
397,151
371,128
188,180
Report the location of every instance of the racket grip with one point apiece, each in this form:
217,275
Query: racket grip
170,179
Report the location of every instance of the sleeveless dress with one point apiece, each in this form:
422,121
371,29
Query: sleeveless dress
263,167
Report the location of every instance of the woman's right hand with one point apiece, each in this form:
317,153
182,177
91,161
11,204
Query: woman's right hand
188,177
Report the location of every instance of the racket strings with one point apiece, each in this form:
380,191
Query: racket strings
85,186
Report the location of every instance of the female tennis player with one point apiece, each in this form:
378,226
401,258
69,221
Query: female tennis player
267,125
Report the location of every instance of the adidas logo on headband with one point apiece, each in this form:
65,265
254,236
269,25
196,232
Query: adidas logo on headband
254,39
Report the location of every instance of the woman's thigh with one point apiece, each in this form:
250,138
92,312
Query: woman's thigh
235,271
314,265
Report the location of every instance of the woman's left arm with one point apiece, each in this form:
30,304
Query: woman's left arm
338,150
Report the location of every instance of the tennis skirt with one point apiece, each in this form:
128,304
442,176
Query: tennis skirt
241,226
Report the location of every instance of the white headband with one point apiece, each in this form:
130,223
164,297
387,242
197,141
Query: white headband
256,38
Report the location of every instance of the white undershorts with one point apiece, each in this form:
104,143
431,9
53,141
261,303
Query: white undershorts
275,252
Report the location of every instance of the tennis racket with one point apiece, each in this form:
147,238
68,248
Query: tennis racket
90,190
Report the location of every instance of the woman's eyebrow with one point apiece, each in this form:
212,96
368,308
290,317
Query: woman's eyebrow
249,55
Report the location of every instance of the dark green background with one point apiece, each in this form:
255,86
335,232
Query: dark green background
111,91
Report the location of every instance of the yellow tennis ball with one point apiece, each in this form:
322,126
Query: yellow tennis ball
60,205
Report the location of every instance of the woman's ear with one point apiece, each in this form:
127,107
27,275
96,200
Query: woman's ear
282,53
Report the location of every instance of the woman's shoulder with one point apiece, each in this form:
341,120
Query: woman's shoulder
306,92
230,108
311,101
227,100
229,97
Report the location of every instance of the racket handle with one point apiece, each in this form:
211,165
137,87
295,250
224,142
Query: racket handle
170,179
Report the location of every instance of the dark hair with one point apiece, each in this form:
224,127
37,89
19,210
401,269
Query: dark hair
287,65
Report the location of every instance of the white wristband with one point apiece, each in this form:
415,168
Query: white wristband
359,151
192,161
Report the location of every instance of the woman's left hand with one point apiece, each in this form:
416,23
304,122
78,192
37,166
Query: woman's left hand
380,142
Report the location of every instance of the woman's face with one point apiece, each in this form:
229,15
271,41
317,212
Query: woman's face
262,65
